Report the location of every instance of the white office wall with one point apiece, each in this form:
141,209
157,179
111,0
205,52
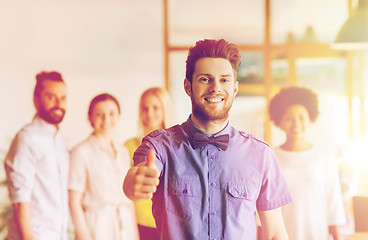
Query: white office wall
98,46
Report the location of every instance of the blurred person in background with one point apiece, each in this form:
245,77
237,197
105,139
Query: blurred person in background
37,166
311,171
206,179
154,113
98,208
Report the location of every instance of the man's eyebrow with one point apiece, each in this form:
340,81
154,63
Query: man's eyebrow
204,74
209,75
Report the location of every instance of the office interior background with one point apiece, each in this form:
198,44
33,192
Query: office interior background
123,47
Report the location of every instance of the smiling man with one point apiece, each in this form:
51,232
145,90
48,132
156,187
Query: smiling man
37,167
206,178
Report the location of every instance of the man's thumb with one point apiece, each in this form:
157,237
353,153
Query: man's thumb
151,157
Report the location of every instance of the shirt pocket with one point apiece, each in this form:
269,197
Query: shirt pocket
241,201
184,198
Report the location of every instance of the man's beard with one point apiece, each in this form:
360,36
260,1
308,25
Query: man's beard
206,115
49,117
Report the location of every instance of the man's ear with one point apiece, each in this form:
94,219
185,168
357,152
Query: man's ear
236,88
36,102
188,87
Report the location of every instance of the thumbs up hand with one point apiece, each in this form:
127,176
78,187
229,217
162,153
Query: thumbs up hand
151,157
141,181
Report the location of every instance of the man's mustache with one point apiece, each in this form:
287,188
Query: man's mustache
57,108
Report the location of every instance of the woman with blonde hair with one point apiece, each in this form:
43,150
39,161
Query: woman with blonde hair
98,207
154,113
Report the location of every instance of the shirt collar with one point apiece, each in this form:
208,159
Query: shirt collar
190,128
94,141
49,128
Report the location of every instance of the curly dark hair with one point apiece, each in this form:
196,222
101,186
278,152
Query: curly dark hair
291,96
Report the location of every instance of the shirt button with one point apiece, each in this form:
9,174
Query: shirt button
213,156
213,184
213,213
185,191
244,195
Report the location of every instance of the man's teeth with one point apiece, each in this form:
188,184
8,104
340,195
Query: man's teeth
214,100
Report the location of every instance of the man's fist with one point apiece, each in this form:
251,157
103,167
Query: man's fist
141,181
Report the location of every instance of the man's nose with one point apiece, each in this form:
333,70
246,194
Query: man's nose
215,86
60,103
57,103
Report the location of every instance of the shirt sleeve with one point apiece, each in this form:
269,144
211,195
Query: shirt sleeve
152,141
20,167
334,203
78,170
274,191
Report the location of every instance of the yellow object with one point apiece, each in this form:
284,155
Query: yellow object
143,209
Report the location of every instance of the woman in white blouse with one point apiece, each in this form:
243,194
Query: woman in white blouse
98,206
310,169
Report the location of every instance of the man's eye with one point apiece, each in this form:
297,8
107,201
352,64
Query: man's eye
204,79
50,97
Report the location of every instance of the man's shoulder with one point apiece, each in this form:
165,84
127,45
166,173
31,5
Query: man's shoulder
158,133
34,134
24,140
26,132
251,137
35,127
168,132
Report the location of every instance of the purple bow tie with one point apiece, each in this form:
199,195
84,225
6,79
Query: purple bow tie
201,140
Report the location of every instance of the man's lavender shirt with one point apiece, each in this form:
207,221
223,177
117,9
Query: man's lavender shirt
208,193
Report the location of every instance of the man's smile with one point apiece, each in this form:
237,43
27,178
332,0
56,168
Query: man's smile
214,99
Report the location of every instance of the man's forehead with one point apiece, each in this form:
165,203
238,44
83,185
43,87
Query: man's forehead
51,86
50,81
213,61
210,66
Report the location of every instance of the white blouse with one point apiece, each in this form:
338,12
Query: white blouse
313,180
99,175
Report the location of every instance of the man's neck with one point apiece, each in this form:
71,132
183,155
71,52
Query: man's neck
52,124
210,127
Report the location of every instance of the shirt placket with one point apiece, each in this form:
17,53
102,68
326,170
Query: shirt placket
60,180
214,198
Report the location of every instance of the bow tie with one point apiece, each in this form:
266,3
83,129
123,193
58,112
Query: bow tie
201,140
